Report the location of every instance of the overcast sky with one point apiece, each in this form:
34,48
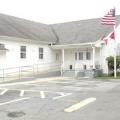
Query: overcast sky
57,11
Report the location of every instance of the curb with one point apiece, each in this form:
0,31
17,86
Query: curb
33,81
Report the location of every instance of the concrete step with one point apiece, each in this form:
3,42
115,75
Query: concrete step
69,73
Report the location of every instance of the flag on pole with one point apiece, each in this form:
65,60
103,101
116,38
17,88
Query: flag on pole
109,18
112,35
105,40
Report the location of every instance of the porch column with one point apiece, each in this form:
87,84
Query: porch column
93,59
63,61
63,58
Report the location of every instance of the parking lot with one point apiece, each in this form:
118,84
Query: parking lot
66,99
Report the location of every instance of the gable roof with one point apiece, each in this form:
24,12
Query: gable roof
21,28
83,31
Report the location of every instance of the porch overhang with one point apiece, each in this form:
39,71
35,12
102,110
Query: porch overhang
71,46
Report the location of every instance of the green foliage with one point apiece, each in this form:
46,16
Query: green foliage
110,61
118,73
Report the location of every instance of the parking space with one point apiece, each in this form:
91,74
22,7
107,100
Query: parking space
17,93
74,85
69,99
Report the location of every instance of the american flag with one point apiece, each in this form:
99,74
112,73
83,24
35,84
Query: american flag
109,18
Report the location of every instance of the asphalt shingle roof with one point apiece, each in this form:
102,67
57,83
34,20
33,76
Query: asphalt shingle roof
21,28
82,31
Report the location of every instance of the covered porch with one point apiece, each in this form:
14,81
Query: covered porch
79,59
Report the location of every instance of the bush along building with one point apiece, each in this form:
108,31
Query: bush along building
72,48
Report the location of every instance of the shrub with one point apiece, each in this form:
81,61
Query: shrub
110,61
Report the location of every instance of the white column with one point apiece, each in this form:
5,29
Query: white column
115,50
100,57
63,58
115,69
63,61
93,59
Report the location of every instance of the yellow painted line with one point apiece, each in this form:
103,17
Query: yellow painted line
79,105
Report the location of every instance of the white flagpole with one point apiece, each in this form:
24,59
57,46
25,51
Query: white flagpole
115,47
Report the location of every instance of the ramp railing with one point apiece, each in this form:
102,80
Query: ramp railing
28,72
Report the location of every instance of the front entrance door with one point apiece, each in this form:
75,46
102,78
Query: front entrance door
71,67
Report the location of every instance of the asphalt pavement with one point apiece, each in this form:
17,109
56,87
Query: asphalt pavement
60,99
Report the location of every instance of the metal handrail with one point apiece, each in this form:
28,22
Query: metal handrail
29,70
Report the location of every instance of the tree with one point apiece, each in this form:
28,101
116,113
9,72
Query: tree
110,61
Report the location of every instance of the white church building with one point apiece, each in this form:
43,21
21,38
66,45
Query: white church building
71,46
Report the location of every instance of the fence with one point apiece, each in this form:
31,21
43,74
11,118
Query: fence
28,72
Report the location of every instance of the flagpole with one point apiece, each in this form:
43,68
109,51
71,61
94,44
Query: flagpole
109,19
115,47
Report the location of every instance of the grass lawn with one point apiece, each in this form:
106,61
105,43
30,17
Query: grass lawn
107,77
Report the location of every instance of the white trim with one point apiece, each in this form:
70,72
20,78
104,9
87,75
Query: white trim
63,61
23,40
72,45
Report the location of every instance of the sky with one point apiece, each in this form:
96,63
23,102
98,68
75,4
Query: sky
58,11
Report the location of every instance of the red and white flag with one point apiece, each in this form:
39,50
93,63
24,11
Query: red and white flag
111,36
105,40
109,18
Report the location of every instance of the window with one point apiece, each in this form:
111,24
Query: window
75,55
40,53
22,51
57,56
80,55
2,46
88,56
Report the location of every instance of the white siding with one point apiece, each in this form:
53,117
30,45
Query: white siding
11,58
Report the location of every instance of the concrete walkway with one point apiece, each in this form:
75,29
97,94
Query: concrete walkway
19,82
